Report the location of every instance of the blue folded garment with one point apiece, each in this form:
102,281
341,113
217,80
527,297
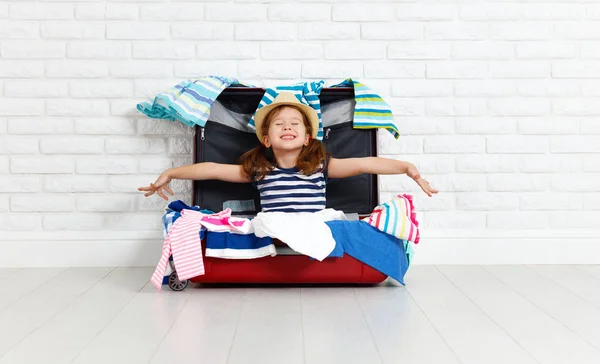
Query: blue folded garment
174,213
371,246
179,205
238,246
226,240
338,250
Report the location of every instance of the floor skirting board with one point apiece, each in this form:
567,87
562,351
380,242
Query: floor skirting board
134,248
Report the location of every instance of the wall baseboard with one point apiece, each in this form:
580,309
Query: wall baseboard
135,248
509,247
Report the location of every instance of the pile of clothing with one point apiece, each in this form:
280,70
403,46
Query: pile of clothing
382,240
190,102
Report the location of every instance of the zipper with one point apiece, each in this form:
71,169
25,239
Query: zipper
201,158
327,133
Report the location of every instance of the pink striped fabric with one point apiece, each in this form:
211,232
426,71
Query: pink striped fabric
397,217
183,242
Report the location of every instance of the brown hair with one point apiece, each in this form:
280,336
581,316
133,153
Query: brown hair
258,162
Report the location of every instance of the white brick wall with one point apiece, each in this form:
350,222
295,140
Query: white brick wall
498,103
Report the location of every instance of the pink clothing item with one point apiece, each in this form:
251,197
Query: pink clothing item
397,217
183,242
223,222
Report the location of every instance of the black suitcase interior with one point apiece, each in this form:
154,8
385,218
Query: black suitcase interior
226,137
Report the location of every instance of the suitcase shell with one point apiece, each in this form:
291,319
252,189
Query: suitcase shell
224,144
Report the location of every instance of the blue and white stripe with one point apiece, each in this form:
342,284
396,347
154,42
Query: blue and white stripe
189,101
287,190
371,111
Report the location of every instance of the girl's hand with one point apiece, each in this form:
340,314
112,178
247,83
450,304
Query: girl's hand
161,183
426,187
413,173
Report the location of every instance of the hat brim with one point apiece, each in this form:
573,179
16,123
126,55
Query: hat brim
309,112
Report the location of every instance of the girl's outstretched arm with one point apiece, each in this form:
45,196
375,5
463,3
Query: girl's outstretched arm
198,171
348,167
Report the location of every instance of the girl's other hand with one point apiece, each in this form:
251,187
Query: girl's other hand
413,173
157,187
426,187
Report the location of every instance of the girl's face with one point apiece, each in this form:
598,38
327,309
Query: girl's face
287,130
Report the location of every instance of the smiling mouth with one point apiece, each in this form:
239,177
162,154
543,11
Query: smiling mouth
288,137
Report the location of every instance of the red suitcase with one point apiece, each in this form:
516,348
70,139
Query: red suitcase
285,268
222,143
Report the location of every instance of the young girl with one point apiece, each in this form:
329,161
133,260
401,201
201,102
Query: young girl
290,167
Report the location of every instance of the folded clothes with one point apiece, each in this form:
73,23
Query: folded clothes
229,245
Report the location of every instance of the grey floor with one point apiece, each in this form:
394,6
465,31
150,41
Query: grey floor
445,314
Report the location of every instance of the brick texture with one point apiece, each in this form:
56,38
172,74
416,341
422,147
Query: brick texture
497,102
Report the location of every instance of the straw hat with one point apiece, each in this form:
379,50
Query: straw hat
286,98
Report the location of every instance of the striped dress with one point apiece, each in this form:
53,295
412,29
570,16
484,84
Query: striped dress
288,190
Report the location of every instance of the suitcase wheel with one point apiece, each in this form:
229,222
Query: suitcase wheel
175,284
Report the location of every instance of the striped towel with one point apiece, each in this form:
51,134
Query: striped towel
397,217
307,92
371,111
189,101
